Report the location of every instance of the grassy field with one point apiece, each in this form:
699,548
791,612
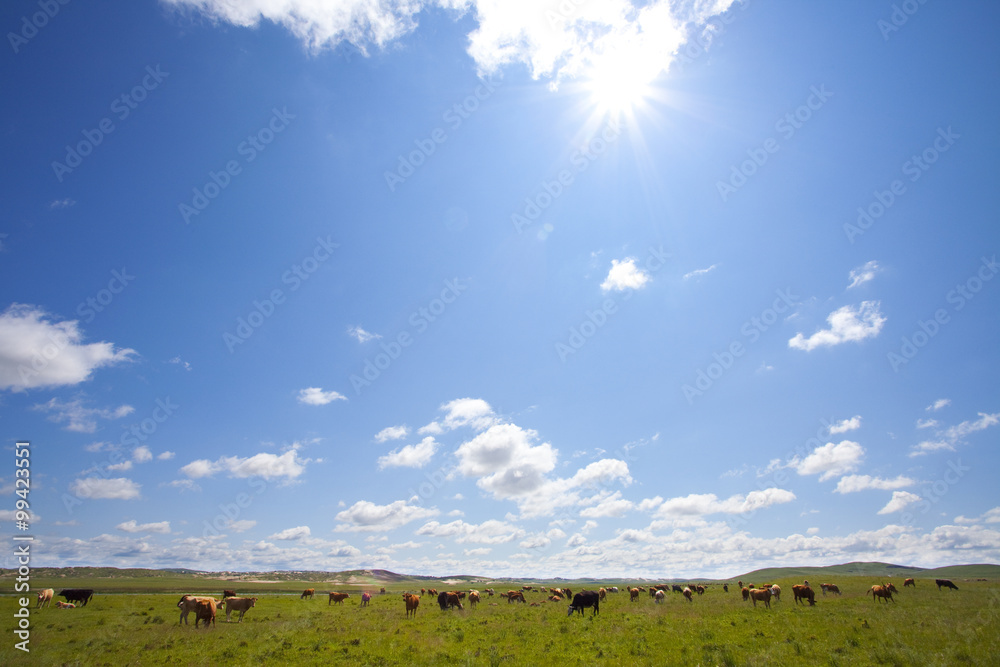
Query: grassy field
924,627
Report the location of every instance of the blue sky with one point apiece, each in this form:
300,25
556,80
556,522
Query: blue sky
529,289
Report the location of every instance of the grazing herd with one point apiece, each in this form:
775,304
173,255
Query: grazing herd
206,608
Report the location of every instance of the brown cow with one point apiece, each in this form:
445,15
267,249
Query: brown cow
205,611
338,598
633,594
687,594
412,602
658,596
228,594
525,588
803,592
746,593
64,605
189,603
432,591
882,591
909,582
514,595
308,593
604,594
762,594
474,598
239,604
44,597
700,589
381,591
830,588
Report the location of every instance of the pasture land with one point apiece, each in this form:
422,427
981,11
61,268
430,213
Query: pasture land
924,627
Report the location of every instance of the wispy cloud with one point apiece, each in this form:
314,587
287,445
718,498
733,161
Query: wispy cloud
947,439
863,274
361,335
316,396
699,272
78,417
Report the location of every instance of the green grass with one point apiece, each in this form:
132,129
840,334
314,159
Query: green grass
924,627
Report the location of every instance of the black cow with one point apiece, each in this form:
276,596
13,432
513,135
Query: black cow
725,587
446,600
228,594
676,589
81,595
585,599
946,583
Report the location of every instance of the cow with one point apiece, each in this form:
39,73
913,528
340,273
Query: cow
239,604
366,597
44,597
882,591
803,592
189,603
633,594
776,592
567,593
830,588
381,591
725,587
746,593
514,595
308,593
762,594
64,605
676,589
613,589
892,589
658,597
700,589
423,591
525,588
474,598
412,602
338,598
81,595
228,594
490,592
946,583
205,611
603,593
447,600
687,593
432,591
909,582
585,599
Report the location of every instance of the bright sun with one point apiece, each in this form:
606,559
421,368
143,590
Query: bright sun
618,85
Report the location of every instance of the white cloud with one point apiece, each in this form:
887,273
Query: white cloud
410,456
38,352
180,362
900,499
361,335
949,438
830,460
505,460
265,465
120,467
576,540
165,456
697,273
927,423
367,516
845,425
113,488
241,526
491,531
142,454
624,275
79,418
131,526
847,324
612,505
990,516
292,534
701,504
474,412
863,274
938,404
614,39
61,203
392,433
478,551
316,396
855,483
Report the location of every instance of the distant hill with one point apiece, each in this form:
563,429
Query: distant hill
875,570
